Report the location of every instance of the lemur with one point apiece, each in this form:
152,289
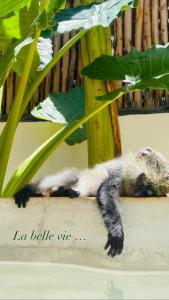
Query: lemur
143,174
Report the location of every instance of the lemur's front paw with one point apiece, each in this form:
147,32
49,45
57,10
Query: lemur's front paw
115,241
22,197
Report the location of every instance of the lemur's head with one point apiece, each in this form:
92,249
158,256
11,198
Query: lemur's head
155,176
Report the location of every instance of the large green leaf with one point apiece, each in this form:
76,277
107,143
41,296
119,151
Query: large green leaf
16,33
55,5
91,15
29,167
16,26
63,108
20,62
138,70
42,57
9,57
45,50
9,6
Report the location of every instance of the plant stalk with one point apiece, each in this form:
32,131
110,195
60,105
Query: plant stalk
34,85
29,167
8,133
99,129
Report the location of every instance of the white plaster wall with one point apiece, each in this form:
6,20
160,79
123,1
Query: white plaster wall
145,130
136,131
146,243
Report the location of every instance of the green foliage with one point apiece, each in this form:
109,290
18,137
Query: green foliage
55,5
8,59
16,26
138,70
22,50
9,6
63,108
16,32
91,15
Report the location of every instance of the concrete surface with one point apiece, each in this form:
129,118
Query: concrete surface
72,232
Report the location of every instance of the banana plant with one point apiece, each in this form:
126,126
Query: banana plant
137,70
21,25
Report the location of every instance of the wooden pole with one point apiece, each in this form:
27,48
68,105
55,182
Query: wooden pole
155,40
148,100
72,65
128,98
164,21
138,44
57,67
164,35
118,50
65,64
154,27
9,92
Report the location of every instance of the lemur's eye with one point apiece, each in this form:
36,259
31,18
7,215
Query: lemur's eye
148,149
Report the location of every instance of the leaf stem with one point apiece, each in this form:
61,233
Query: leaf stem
34,85
29,167
8,132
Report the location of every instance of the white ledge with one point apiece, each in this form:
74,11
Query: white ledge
146,227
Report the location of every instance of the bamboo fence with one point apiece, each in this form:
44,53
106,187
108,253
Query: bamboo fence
139,28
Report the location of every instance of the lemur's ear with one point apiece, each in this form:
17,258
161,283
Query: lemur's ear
142,179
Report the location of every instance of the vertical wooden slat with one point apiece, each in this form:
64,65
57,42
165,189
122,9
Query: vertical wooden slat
147,25
148,99
139,25
118,36
138,44
127,31
65,63
3,102
78,61
128,99
79,65
155,29
164,34
155,40
72,64
65,59
41,91
34,100
56,69
9,92
47,84
164,21
118,50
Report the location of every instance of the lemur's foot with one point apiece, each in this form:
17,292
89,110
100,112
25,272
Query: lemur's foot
22,196
115,241
65,192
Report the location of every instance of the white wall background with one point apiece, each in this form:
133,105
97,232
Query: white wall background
137,131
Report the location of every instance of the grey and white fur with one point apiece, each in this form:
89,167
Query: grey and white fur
145,173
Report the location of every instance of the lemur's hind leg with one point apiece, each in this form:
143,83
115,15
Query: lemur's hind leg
23,195
57,185
107,198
